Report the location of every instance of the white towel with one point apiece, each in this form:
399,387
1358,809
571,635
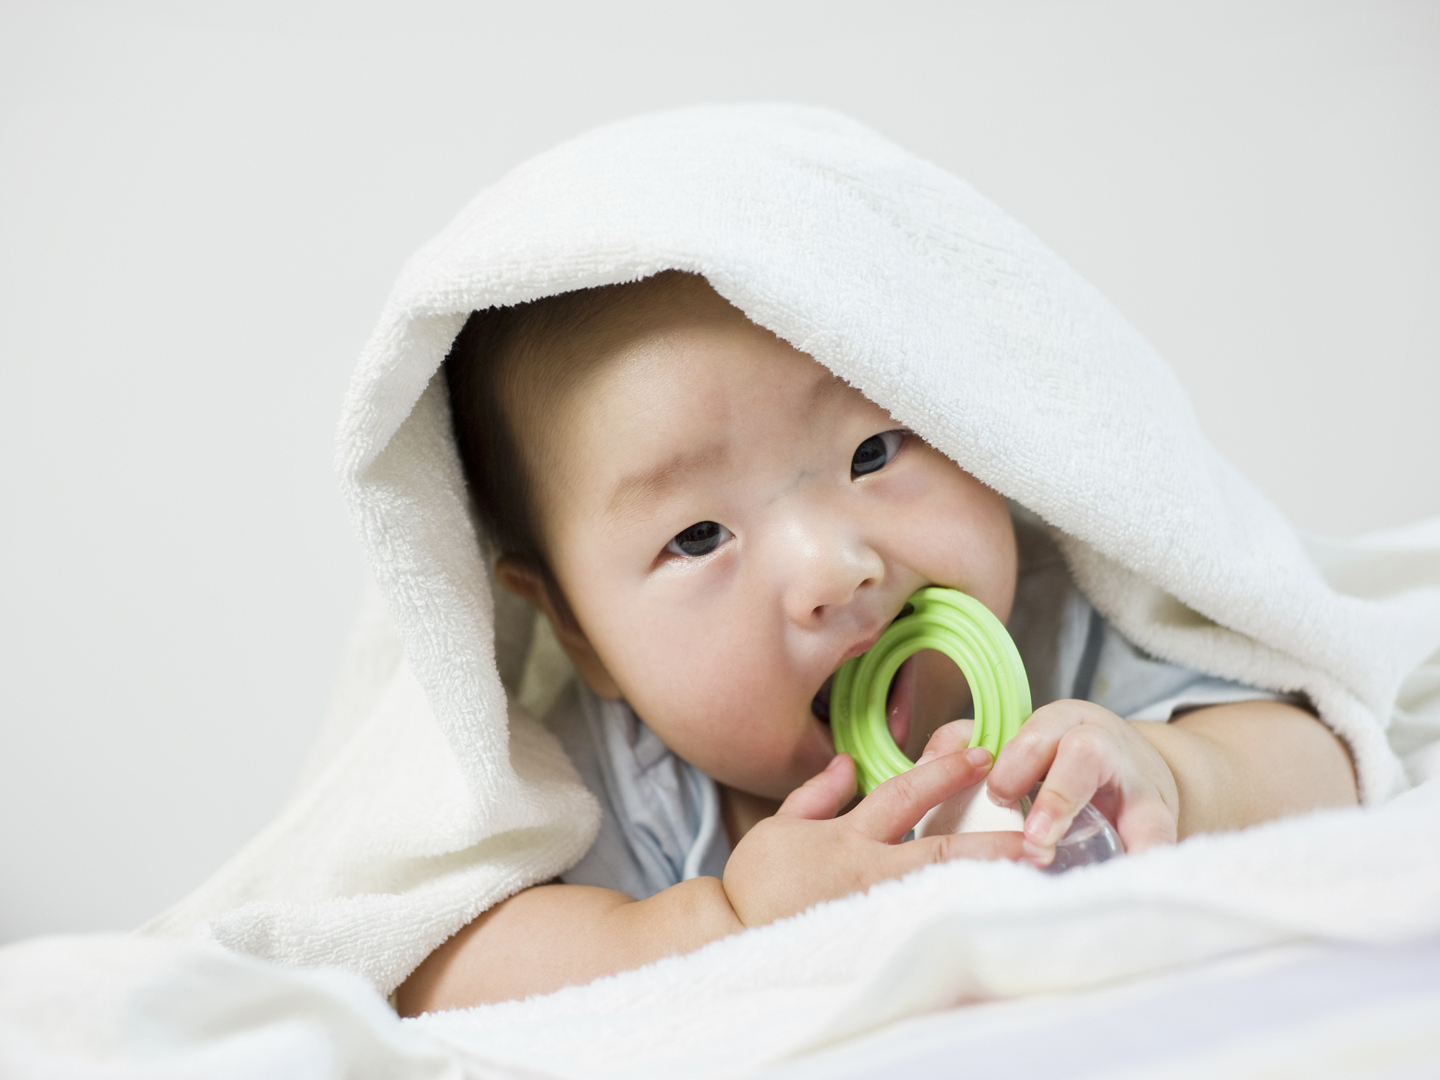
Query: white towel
432,799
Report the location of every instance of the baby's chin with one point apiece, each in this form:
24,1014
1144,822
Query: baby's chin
818,751
804,760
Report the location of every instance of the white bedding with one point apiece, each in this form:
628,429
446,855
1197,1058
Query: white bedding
1310,1012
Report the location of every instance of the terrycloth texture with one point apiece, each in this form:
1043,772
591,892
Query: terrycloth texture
113,1007
435,801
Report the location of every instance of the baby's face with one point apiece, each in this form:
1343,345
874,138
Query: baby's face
730,523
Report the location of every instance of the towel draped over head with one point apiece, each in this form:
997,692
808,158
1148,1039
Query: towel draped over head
431,798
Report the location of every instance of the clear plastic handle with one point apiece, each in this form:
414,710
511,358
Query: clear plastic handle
1090,839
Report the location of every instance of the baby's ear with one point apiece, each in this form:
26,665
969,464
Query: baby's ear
522,579
526,581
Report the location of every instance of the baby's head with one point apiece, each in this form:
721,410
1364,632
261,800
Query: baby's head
712,521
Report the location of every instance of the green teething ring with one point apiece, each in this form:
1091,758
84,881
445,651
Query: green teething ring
964,630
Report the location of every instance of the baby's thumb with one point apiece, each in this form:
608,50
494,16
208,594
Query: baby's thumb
825,794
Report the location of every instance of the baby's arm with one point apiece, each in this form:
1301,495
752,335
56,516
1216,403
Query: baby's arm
1222,767
559,935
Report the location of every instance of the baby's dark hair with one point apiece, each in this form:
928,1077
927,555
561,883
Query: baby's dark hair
555,342
484,436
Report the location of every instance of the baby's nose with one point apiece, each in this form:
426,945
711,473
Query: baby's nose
829,565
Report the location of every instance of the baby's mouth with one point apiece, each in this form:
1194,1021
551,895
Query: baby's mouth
820,703
899,702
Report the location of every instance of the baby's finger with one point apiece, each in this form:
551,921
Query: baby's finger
824,794
893,808
1027,757
937,849
950,738
1144,821
1086,759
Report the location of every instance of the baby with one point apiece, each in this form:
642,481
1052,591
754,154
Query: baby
712,523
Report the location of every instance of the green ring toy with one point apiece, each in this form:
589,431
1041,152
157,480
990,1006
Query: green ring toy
964,630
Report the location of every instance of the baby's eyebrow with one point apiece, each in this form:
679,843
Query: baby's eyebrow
637,489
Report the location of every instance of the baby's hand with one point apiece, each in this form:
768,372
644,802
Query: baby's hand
805,854
1086,753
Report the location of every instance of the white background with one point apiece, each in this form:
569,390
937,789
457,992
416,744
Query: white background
202,207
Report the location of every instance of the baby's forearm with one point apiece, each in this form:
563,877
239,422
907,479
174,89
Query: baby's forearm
1240,764
553,936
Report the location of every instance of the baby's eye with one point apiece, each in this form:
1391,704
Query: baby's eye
872,454
699,539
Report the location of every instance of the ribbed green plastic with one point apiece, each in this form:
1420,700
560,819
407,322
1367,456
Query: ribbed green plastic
964,630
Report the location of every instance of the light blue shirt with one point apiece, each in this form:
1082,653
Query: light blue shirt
660,821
